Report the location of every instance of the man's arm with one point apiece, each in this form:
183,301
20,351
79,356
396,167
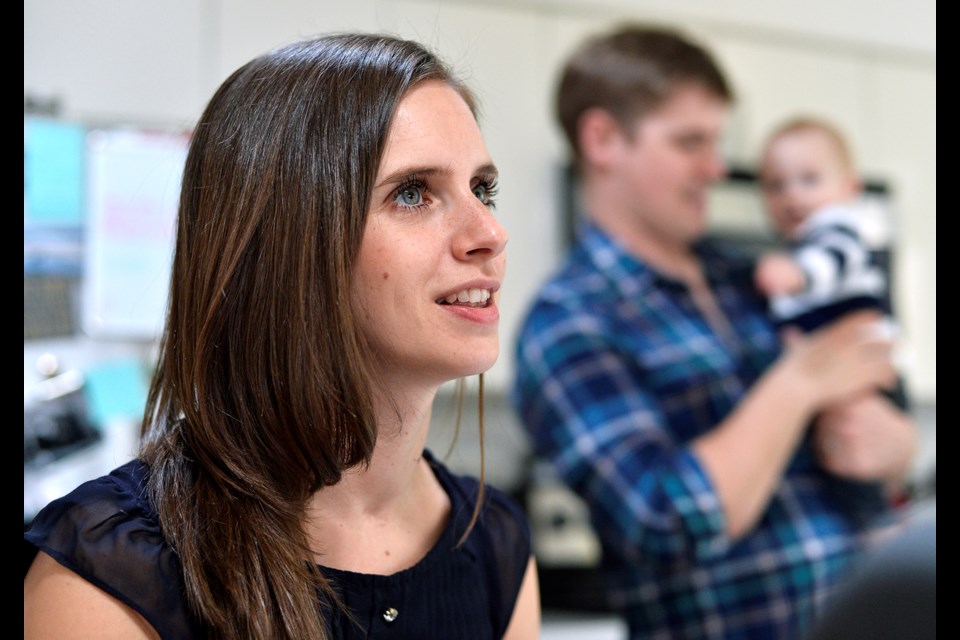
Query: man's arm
747,453
588,413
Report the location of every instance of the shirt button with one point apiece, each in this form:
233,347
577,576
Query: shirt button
390,614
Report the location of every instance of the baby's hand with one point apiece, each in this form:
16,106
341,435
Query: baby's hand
778,274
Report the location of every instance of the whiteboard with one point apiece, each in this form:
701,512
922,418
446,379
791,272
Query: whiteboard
133,187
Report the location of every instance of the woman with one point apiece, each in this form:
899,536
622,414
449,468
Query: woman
336,262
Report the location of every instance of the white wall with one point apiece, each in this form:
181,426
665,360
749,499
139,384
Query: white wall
869,64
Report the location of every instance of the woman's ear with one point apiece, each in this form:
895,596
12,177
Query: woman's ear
601,138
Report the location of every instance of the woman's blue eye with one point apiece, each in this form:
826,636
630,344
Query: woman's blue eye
484,192
409,196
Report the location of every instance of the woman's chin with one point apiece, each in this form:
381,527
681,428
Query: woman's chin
477,365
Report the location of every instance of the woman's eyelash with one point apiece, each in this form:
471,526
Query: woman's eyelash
410,184
412,181
491,188
413,191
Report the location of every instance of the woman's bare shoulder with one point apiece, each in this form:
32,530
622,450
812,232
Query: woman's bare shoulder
58,603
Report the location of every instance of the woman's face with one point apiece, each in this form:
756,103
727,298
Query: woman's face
432,257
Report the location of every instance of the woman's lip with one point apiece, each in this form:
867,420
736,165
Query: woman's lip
488,314
492,285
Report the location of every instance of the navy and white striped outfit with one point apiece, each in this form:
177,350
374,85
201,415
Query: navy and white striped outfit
844,272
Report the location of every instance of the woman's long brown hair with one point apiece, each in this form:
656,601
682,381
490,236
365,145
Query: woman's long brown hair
262,391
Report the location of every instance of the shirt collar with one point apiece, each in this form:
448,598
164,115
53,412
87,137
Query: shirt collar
631,273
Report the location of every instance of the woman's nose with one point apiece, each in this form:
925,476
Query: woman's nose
479,233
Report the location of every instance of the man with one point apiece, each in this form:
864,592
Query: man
649,374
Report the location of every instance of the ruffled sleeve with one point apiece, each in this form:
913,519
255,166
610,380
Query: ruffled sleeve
511,548
106,532
501,542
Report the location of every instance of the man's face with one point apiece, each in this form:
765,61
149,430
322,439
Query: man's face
669,163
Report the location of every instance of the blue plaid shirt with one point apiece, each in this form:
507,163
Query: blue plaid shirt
617,373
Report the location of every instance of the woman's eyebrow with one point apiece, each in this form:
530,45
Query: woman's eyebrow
405,173
489,170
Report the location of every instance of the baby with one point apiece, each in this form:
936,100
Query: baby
811,194
832,266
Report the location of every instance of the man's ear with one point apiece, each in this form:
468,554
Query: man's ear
601,138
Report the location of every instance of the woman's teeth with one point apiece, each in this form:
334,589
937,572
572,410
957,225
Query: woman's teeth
477,297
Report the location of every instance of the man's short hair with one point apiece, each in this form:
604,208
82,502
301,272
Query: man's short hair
629,72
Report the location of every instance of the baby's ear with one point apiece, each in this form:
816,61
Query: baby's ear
856,185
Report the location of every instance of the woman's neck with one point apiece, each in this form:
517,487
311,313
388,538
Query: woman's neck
384,516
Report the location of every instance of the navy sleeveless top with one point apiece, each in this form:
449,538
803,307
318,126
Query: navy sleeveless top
107,532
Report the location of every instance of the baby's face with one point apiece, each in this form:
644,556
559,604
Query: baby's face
802,171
